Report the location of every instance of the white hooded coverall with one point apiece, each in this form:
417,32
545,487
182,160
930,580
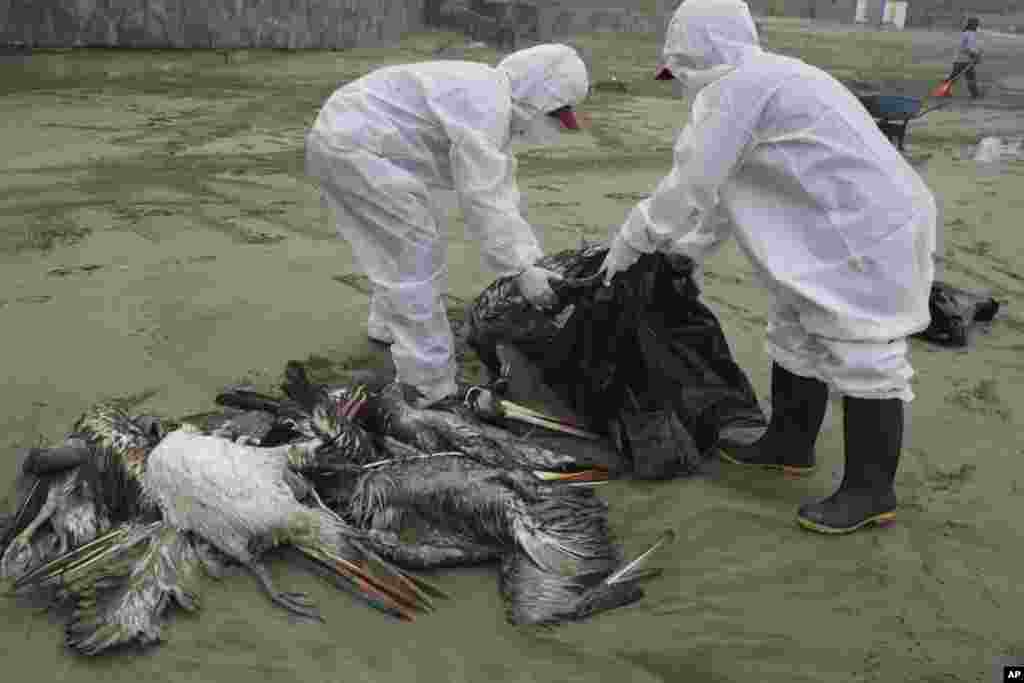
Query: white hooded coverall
385,143
837,224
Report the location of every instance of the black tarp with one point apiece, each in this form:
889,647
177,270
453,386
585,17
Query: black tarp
643,361
954,311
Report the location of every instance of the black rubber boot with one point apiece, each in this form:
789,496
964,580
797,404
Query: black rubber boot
798,408
873,435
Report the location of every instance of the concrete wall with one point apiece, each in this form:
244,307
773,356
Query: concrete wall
207,23
842,11
513,23
559,20
942,14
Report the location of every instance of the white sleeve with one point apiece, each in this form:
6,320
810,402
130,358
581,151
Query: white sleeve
476,122
485,180
705,239
706,153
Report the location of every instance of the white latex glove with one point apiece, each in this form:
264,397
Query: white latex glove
535,285
620,257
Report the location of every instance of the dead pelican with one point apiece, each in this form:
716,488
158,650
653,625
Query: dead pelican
559,561
190,490
80,488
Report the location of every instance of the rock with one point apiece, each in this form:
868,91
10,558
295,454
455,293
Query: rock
993,149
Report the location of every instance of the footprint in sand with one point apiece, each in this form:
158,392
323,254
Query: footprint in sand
558,205
919,487
65,271
257,237
356,281
627,196
982,398
34,299
949,479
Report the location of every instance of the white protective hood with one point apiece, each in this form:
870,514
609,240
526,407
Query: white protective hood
707,39
712,33
542,79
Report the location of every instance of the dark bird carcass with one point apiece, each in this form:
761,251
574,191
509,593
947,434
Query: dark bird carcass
449,490
350,423
559,561
76,491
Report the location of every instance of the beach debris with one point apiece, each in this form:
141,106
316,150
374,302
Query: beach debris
994,149
612,84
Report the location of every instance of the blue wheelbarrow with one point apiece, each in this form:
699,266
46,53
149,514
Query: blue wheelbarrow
892,113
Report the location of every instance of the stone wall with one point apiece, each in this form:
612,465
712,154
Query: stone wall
940,14
207,23
557,21
517,22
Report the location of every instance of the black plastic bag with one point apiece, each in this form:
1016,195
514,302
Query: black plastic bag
658,444
954,311
643,360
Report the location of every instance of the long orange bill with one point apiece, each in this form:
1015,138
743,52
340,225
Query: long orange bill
550,425
396,591
394,599
417,587
400,610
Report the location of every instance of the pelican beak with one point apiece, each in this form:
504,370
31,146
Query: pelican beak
520,413
584,476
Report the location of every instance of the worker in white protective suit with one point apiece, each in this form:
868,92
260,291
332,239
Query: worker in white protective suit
383,147
838,227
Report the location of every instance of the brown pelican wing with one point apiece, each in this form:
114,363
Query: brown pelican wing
534,595
77,562
129,609
434,549
121,584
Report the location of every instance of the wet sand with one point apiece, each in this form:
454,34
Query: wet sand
158,240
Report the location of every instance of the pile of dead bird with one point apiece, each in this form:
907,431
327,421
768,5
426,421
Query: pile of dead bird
124,518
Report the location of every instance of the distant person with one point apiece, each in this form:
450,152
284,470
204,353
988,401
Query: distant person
967,55
838,226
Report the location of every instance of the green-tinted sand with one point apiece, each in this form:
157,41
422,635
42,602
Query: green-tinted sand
158,239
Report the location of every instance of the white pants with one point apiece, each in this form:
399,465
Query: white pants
872,370
388,217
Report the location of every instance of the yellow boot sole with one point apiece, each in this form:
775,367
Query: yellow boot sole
790,471
882,519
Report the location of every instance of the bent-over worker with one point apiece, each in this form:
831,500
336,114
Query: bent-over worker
383,143
838,226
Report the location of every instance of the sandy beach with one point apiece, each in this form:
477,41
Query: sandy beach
159,239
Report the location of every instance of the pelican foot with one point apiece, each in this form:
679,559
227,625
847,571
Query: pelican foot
298,604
